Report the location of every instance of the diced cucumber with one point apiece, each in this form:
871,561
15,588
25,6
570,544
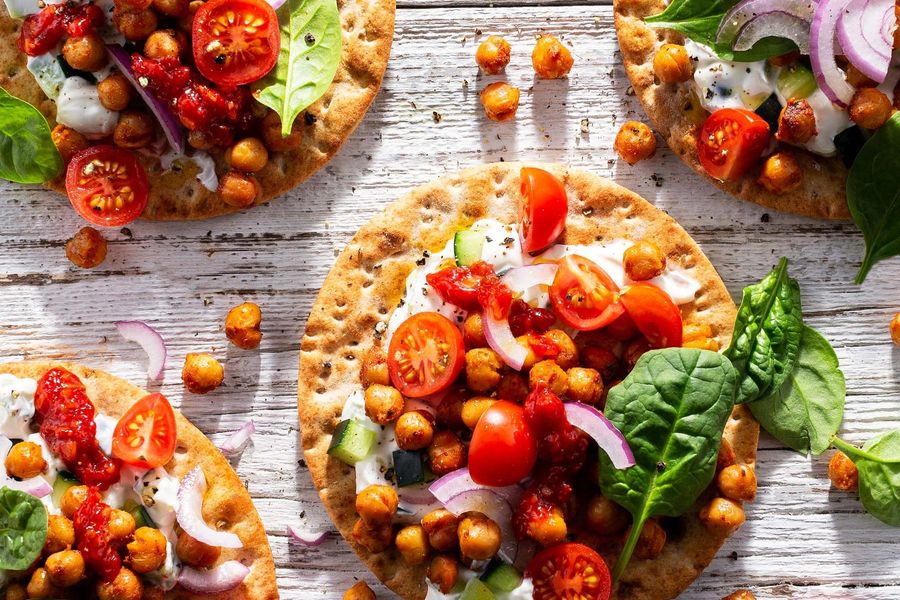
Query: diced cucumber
467,246
477,590
797,81
352,441
501,577
140,514
408,468
64,480
770,110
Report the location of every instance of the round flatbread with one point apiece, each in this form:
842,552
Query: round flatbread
227,502
368,280
177,194
677,116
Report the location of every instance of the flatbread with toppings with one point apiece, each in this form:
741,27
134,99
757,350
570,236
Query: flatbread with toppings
451,379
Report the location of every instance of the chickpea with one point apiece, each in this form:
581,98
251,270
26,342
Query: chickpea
530,358
483,367
271,133
500,101
202,373
722,514
601,360
412,543
550,59
635,142
568,352
72,499
238,190
672,64
135,25
549,374
39,586
797,122
651,542
377,504
446,453
164,43
25,460
195,553
870,108
443,572
479,537
242,325
65,568
726,455
135,129
441,527
644,260
699,336
60,534
740,595
126,586
171,8
148,550
68,141
115,92
473,332
87,248
449,411
413,431
133,4
473,408
843,472
585,385
857,78
493,55
549,528
374,539
605,517
15,591
359,591
895,329
248,155
85,52
374,368
121,526
513,387
186,21
384,404
200,140
738,482
635,350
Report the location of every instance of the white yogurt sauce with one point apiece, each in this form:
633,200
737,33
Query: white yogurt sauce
16,406
523,592
79,107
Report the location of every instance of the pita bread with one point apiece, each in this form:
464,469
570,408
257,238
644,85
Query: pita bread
368,280
177,195
227,502
677,116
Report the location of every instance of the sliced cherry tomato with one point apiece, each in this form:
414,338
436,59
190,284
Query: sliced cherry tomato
145,436
623,328
503,448
107,185
654,313
235,41
426,355
731,141
569,571
542,214
583,295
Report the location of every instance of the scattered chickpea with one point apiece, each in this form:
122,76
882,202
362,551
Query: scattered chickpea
85,52
374,368
87,248
549,374
413,431
870,108
171,8
549,528
843,472
493,55
797,122
135,25
412,543
550,59
726,455
737,482
72,499
248,155
585,385
384,404
500,101
121,526
200,140
651,541
359,591
242,325
602,360
568,352
148,550
479,537
164,43
238,189
722,514
68,141
446,453
644,260
195,553
374,539
635,350
25,460
513,387
135,129
473,331
740,595
483,367
60,534
65,568
115,92
377,504
39,586
443,572
449,411
672,64
473,408
605,517
126,586
441,527
202,373
271,133
635,142
895,329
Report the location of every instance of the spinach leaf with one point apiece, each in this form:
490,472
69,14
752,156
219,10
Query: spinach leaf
309,57
879,475
699,20
766,338
23,529
672,409
807,410
873,193
27,152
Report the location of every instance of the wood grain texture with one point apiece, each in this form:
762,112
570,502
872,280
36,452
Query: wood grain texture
801,540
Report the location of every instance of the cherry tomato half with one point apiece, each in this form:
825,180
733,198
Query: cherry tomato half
542,214
731,141
235,41
107,185
654,313
145,436
569,571
583,295
503,448
426,355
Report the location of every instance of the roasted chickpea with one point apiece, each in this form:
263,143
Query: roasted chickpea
651,542
857,78
737,482
550,59
635,350
441,528
85,52
238,189
72,499
126,586
39,586
446,453
15,591
248,155
377,504
726,455
644,260
133,4
548,528
121,526
202,373
603,361
473,408
870,108
895,329
412,543
449,411
164,43
843,472
413,430
171,8
374,368
500,101
672,64
530,357
797,122
740,595
25,460
443,572
60,534
148,550
493,55
473,331
195,553
722,514
384,404
568,352
479,537
242,325
65,568
374,539
135,25
700,336
548,373
605,517
635,142
359,591
68,141
513,387
585,385
483,367
200,140
271,133
115,92
135,129
87,248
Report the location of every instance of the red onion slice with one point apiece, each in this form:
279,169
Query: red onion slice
307,537
595,424
459,481
276,4
152,343
223,578
235,444
773,24
822,49
34,486
415,496
494,507
747,10
502,341
861,31
190,513
523,278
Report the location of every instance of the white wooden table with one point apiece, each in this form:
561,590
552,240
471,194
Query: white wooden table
800,541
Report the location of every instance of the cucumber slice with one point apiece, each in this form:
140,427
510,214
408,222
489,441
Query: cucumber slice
797,81
467,246
501,577
408,468
477,590
64,481
141,516
351,442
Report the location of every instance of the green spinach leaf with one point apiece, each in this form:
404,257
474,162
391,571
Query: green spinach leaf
873,193
806,411
879,475
27,152
23,529
672,409
766,338
309,57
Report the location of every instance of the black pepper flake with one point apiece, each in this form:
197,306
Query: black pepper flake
436,116
765,218
309,38
710,94
488,239
508,242
401,303
660,466
420,262
309,118
326,365
426,254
